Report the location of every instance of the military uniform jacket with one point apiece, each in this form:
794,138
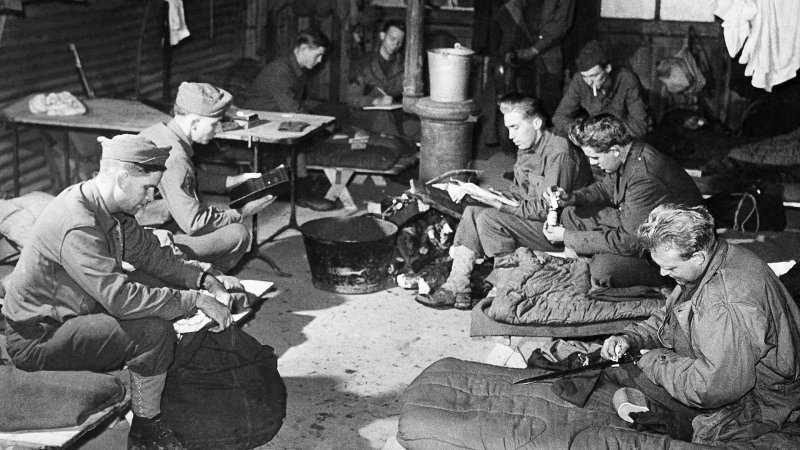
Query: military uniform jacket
178,186
616,205
280,86
546,24
73,266
369,75
731,346
550,162
620,96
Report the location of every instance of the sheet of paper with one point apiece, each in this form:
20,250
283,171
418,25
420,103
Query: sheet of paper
257,287
781,267
457,189
391,107
200,320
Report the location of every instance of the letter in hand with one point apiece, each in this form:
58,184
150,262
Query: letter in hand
614,347
218,307
234,180
256,206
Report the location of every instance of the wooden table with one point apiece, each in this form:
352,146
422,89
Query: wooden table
267,133
128,116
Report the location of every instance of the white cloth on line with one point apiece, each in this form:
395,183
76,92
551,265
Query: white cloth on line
768,38
177,22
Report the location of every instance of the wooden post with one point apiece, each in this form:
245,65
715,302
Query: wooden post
412,84
166,88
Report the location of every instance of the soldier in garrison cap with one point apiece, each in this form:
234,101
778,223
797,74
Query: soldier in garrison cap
206,233
601,88
70,304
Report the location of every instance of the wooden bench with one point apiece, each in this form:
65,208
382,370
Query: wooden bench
341,176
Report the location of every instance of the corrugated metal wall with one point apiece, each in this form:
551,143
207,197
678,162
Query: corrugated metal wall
34,58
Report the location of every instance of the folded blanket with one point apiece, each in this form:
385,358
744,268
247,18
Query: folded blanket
48,399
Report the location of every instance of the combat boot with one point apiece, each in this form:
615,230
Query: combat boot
151,434
455,292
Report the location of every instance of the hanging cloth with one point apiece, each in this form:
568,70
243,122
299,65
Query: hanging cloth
177,22
768,36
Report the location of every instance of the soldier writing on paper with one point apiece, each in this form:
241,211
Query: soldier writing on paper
377,81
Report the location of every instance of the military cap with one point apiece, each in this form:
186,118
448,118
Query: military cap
591,55
203,99
133,148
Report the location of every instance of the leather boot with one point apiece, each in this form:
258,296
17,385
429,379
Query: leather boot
148,430
455,292
307,196
151,434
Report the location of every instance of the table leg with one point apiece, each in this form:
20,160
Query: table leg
255,252
292,225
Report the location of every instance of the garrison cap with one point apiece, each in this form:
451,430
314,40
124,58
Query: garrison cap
134,149
591,55
203,99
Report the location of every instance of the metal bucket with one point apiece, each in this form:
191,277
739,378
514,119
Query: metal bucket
349,255
448,69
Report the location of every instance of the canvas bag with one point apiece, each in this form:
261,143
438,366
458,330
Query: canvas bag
680,73
224,391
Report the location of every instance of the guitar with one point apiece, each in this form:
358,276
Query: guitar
256,188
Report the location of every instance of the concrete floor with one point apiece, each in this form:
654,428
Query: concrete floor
345,358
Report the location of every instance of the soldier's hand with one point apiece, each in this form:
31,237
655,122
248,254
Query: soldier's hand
234,180
527,54
563,197
230,282
509,58
216,311
614,347
383,100
256,206
554,234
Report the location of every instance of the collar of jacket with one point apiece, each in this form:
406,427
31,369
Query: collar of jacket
186,143
395,64
635,152
294,65
537,146
106,220
717,255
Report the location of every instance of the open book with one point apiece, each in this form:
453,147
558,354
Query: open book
199,320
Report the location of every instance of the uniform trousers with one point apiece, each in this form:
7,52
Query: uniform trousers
223,247
93,342
489,232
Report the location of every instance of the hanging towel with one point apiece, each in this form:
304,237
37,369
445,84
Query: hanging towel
177,22
768,36
737,17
